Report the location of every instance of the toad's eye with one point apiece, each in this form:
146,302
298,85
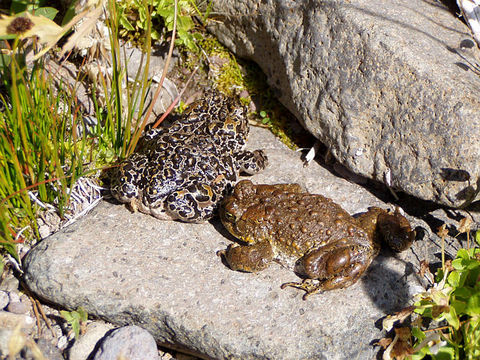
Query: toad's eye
229,216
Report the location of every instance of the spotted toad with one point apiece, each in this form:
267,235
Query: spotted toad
183,171
309,233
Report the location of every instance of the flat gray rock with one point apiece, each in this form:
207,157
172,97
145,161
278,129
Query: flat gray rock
376,81
166,278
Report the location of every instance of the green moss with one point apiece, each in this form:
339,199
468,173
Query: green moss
230,76
270,111
211,45
225,69
234,76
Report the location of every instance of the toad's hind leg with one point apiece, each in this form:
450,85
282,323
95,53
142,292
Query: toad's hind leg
342,280
337,265
195,203
308,285
249,258
251,162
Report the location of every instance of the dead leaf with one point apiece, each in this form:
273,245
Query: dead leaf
384,342
425,271
403,332
30,25
465,225
438,310
390,320
89,18
442,231
401,350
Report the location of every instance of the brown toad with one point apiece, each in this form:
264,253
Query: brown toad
306,232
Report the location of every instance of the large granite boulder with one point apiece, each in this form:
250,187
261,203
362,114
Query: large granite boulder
377,81
166,278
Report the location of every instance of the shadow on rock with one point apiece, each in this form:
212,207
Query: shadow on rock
390,289
217,224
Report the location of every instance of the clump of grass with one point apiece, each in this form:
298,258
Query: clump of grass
45,145
38,144
119,115
445,320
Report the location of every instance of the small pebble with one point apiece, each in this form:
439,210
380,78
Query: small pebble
4,300
18,307
62,342
131,342
84,346
44,231
165,355
10,320
10,283
4,337
13,296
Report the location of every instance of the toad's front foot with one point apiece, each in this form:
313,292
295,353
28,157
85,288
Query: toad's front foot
132,206
249,258
307,285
